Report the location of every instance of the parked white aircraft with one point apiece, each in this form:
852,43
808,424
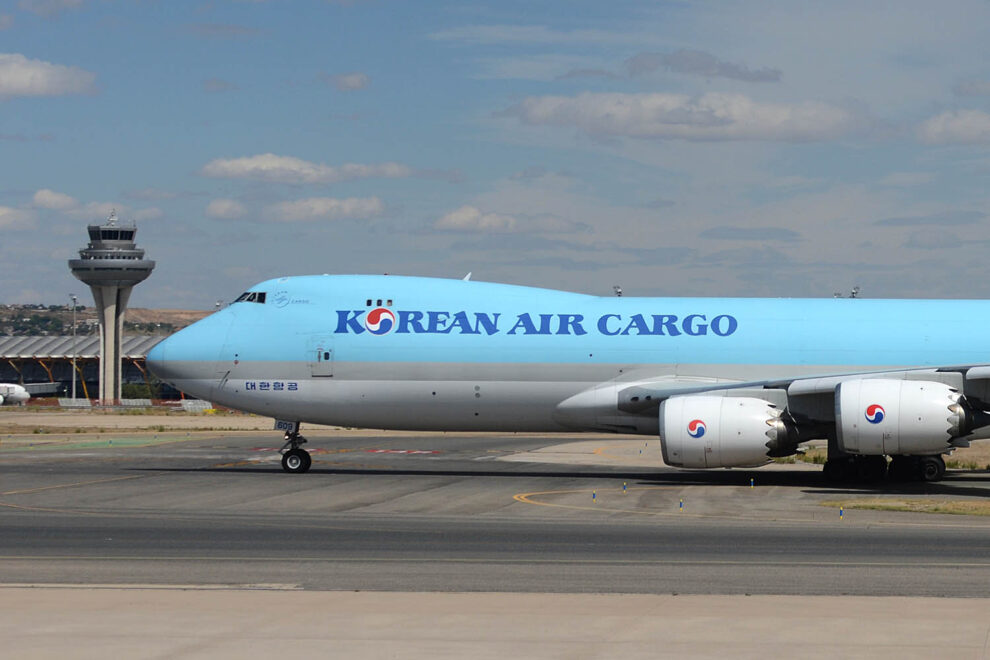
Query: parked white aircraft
11,393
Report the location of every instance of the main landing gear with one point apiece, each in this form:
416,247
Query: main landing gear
295,459
917,468
861,469
867,469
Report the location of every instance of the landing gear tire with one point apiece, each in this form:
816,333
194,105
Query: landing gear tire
931,468
296,461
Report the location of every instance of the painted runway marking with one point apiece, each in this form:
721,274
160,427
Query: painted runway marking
402,451
72,485
261,586
761,561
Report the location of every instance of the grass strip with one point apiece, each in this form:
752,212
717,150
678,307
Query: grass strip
915,505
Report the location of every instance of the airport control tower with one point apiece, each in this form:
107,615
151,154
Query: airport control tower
111,265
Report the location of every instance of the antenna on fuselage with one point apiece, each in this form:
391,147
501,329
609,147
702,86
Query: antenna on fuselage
618,291
852,294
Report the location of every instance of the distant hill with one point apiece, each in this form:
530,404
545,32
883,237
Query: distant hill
19,320
179,318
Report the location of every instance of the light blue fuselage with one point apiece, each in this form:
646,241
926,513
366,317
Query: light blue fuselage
460,355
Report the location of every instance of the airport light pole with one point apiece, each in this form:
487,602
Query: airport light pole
74,300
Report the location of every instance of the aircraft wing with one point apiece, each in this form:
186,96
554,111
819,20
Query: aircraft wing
645,396
928,410
35,389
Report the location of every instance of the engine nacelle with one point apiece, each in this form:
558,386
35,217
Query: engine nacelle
881,416
709,431
1,399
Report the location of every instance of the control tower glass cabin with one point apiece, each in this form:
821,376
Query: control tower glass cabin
111,265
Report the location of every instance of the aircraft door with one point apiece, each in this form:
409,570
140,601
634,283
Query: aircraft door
320,357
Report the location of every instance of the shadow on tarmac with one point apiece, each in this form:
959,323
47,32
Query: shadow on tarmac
811,482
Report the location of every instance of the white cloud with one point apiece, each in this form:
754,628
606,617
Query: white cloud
973,88
957,127
227,209
11,218
214,85
326,208
150,213
6,21
150,194
534,34
20,76
288,169
698,63
48,8
221,30
712,116
470,218
99,211
349,82
94,211
906,179
545,66
49,199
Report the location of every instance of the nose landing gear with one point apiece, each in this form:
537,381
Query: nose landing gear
295,459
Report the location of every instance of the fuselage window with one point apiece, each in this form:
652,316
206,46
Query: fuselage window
389,303
261,297
368,303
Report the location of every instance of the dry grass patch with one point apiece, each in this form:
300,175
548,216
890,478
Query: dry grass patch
915,505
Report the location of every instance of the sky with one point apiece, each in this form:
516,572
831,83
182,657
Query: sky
757,148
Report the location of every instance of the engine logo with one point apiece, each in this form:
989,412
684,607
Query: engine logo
379,321
696,428
874,413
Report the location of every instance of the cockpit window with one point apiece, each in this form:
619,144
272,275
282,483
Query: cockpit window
252,296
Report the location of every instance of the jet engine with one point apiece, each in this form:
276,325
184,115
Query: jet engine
1,399
881,416
709,431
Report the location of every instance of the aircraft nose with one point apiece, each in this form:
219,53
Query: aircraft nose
156,359
191,353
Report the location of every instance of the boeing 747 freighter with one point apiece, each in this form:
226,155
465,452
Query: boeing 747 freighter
724,382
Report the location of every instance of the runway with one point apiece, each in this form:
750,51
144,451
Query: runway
449,513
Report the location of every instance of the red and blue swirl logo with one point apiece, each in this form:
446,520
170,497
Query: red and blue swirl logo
696,428
379,321
874,413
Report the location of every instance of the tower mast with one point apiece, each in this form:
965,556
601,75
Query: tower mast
111,264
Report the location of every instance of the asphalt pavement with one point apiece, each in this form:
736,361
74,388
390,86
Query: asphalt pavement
448,513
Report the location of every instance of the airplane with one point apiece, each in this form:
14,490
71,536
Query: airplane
11,393
723,382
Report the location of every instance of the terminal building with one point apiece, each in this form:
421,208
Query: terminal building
48,359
